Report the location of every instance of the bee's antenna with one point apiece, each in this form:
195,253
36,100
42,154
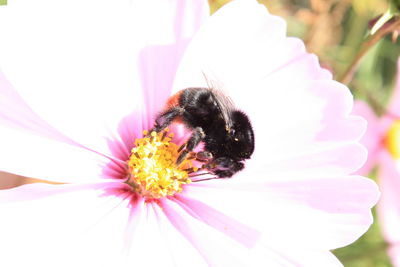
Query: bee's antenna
206,179
199,174
209,85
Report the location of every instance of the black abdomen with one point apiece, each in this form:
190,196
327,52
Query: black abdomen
201,108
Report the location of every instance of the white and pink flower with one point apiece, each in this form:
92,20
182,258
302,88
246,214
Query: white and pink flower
82,79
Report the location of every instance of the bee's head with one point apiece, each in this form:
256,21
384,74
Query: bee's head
241,135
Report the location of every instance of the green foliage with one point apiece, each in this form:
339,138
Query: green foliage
3,2
396,2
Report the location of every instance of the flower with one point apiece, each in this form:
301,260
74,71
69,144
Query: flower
82,80
382,140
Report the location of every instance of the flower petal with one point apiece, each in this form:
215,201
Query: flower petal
372,139
301,123
216,248
394,254
154,234
16,115
65,74
239,26
14,112
43,158
222,251
313,213
86,84
168,36
146,240
336,160
389,204
216,219
309,258
86,222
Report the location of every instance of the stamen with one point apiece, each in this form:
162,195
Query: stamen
392,139
152,169
181,147
164,135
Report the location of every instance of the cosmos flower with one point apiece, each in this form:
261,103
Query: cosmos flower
82,80
382,140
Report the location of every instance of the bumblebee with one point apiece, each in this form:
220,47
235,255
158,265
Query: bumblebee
226,132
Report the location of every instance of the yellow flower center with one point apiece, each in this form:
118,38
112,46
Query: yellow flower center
392,139
152,169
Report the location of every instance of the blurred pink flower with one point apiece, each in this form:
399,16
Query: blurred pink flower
85,78
382,140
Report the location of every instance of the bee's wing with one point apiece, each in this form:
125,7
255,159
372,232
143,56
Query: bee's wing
224,102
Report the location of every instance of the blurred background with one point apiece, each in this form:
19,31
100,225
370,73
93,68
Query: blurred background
336,30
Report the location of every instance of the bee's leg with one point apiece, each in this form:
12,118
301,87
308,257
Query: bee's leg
165,118
224,167
197,136
202,156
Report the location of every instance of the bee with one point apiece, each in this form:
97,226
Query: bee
226,132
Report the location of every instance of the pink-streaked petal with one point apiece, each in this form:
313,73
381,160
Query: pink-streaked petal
167,37
35,191
14,112
146,239
216,219
222,250
93,226
372,138
153,233
82,84
389,204
394,104
43,158
328,213
86,223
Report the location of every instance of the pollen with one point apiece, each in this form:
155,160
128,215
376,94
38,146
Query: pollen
153,172
392,139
